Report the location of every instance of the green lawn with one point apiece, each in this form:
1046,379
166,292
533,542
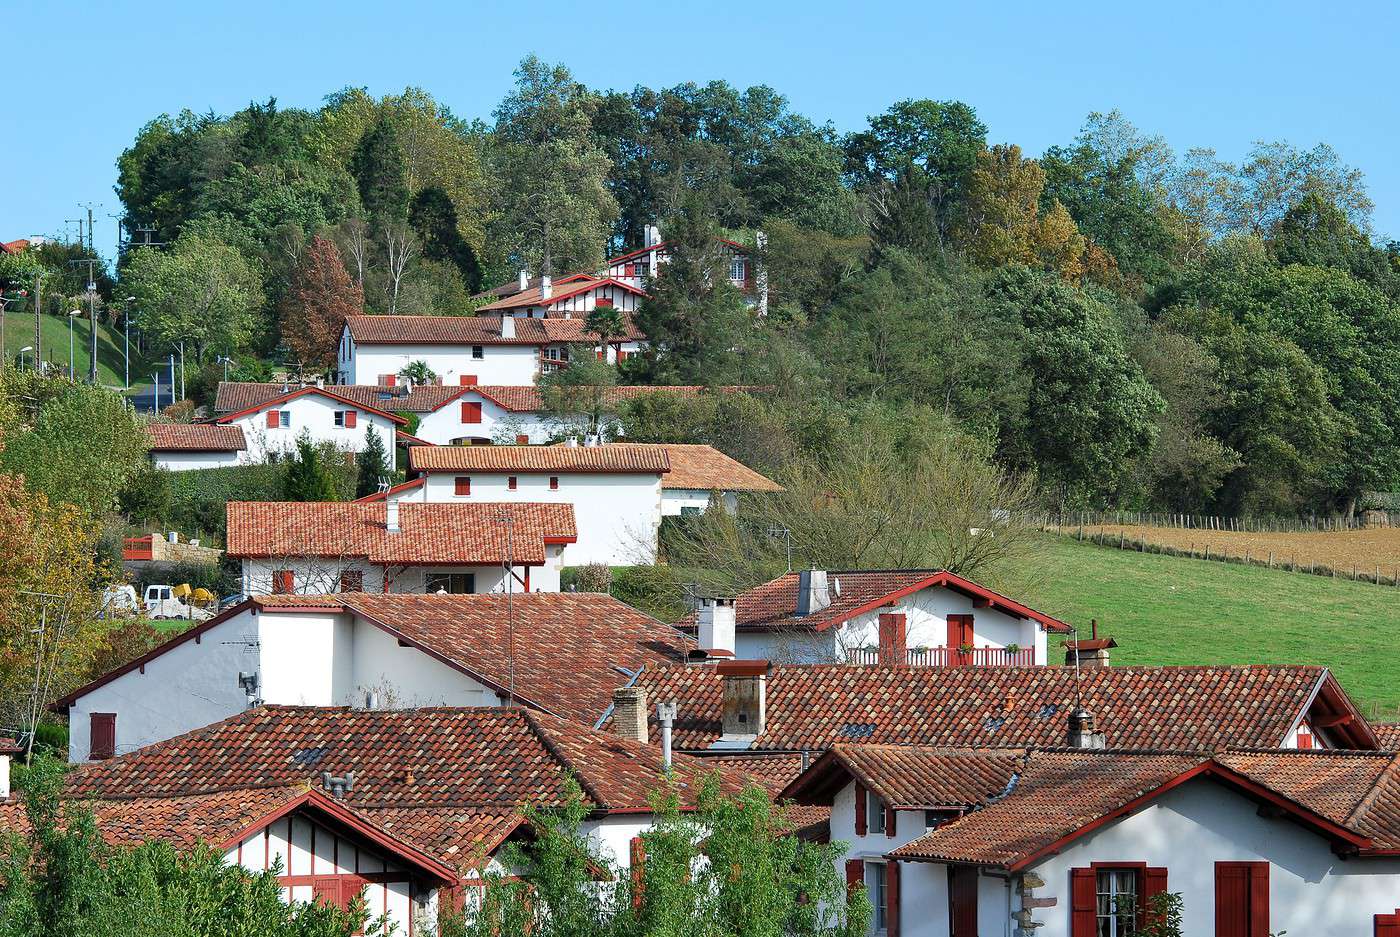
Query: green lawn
1168,610
19,333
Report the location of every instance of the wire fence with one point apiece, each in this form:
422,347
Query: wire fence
1362,520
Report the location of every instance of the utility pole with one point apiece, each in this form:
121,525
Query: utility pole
92,313
38,311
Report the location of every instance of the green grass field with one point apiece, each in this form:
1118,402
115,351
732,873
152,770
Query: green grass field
19,333
1169,610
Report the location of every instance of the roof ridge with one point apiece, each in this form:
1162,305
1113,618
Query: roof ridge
558,755
1363,806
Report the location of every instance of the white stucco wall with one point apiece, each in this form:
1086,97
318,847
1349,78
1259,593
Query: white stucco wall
444,425
315,415
317,575
674,500
514,365
617,515
405,676
183,461
613,835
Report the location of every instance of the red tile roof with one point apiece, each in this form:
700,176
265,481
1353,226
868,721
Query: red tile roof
330,393
572,286
594,633
195,437
467,534
704,468
810,708
773,605
473,330
1055,796
535,459
449,782
1387,735
9,746
233,396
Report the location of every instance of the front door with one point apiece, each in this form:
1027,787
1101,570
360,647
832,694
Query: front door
959,636
962,901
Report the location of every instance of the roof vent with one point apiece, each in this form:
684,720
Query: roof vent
337,787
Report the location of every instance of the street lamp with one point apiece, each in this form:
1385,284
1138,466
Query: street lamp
21,357
71,316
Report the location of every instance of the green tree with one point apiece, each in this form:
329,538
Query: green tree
418,372
1317,233
434,217
314,310
371,465
555,209
727,867
306,476
378,168
202,291
577,397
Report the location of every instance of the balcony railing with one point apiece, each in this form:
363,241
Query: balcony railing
949,657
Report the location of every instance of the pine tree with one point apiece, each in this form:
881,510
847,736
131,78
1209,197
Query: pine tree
434,217
307,478
372,464
378,168
315,307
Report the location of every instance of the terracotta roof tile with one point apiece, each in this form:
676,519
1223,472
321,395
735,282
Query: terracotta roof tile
1387,735
810,708
527,459
910,777
594,633
705,468
233,396
442,330
560,290
470,534
195,437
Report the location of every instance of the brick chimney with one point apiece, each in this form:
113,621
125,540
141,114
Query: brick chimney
1081,731
629,717
744,701
714,619
1092,652
893,637
813,592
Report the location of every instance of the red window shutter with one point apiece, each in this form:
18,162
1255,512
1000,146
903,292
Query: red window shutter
352,580
602,355
471,411
889,821
511,483
1232,900
892,899
1082,903
522,439
351,418
467,380
639,859
283,582
102,735
892,639
855,874
962,901
391,380
326,891
860,809
554,483
1154,883
1388,925
462,485
274,419
1259,899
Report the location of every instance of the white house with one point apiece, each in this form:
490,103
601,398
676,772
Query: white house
1076,842
464,350
270,427
570,651
639,267
408,808
177,447
914,617
385,546
573,296
620,491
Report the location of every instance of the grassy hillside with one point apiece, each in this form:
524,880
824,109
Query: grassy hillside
19,333
1169,610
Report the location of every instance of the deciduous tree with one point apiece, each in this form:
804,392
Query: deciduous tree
315,308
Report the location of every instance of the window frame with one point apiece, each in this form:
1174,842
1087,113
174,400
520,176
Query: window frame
554,483
478,352
452,578
874,814
877,876
1138,871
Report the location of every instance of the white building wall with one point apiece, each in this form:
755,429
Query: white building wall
315,575
617,515
315,415
405,676
303,656
183,461
675,500
613,835
514,365
444,425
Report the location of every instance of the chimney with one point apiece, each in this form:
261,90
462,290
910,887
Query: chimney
893,636
813,594
629,715
1081,731
391,515
546,287
1090,653
651,236
714,618
666,716
321,382
524,279
760,273
744,706
507,326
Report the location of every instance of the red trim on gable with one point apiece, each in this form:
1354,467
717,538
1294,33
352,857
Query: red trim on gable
953,581
1212,769
303,391
401,486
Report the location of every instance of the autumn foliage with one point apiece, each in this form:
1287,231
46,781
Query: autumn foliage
314,310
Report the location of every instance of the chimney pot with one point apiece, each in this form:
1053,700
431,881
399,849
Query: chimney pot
630,713
715,625
666,716
524,279
546,287
507,326
1081,731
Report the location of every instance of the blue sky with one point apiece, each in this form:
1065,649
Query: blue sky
83,77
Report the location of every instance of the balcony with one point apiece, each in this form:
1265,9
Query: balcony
949,657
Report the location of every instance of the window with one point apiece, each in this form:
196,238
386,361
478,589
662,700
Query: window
875,813
877,881
689,510
1116,902
102,735
604,303
510,483
352,580
478,352
346,419
471,411
462,485
283,582
451,583
554,483
276,418
738,269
